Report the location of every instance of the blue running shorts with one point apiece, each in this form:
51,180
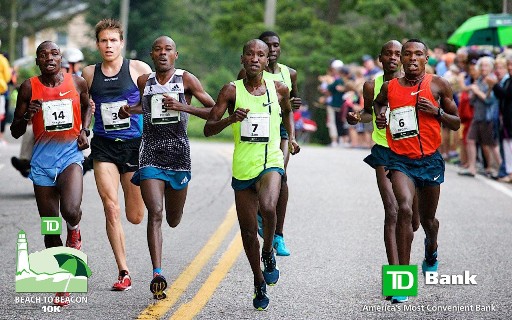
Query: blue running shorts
379,156
424,172
177,180
239,185
47,177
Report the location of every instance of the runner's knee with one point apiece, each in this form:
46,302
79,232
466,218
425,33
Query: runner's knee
174,218
112,210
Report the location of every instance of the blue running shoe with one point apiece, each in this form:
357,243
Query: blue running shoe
399,299
280,246
270,271
430,263
157,286
260,299
260,224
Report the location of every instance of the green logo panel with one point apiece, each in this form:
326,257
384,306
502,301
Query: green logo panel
51,225
400,280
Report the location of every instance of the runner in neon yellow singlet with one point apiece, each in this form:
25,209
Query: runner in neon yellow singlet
254,105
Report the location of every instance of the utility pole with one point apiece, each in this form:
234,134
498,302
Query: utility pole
270,13
125,8
12,31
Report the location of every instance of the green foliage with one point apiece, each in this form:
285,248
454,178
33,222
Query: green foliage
210,34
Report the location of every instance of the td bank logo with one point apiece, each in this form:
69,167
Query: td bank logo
400,280
57,269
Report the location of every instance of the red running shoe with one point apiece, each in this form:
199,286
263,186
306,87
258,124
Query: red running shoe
74,239
61,299
122,283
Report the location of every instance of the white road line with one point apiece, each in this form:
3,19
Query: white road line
496,185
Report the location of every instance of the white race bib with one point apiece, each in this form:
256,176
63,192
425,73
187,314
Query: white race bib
159,114
110,116
58,115
403,123
255,128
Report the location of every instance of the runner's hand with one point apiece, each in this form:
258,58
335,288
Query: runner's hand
353,117
296,102
293,147
34,107
380,120
83,142
124,112
239,115
426,106
169,103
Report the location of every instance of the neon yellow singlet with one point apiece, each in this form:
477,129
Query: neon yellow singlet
378,135
253,153
283,76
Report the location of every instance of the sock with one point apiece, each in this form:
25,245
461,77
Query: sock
157,270
278,234
70,227
123,273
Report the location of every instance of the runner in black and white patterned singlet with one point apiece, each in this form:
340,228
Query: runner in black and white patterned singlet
164,159
165,143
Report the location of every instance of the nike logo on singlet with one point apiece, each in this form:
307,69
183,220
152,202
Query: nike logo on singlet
416,92
62,94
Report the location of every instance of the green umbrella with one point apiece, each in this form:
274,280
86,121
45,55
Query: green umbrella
487,29
73,264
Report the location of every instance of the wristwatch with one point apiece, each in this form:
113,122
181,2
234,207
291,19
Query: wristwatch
87,131
440,112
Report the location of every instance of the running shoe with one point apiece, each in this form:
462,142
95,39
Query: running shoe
280,246
158,285
61,299
260,224
270,271
74,239
123,283
23,166
260,299
399,299
430,263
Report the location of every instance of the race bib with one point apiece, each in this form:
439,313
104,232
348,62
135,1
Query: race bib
159,114
58,115
255,128
110,116
402,123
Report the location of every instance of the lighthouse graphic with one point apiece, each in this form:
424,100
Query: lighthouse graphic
22,263
58,269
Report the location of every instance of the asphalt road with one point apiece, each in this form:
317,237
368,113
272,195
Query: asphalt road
333,229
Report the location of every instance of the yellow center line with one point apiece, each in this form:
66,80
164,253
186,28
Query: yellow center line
159,308
190,309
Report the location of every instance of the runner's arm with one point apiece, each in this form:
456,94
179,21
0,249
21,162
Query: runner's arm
380,104
126,111
21,114
226,101
451,117
194,87
295,100
287,114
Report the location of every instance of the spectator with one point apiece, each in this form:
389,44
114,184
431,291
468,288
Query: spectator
371,69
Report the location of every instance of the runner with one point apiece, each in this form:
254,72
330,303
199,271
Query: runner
418,104
165,149
390,58
254,105
115,145
57,103
288,76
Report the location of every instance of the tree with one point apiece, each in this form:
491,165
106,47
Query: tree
32,16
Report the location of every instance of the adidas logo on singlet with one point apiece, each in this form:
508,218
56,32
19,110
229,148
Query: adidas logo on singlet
177,87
